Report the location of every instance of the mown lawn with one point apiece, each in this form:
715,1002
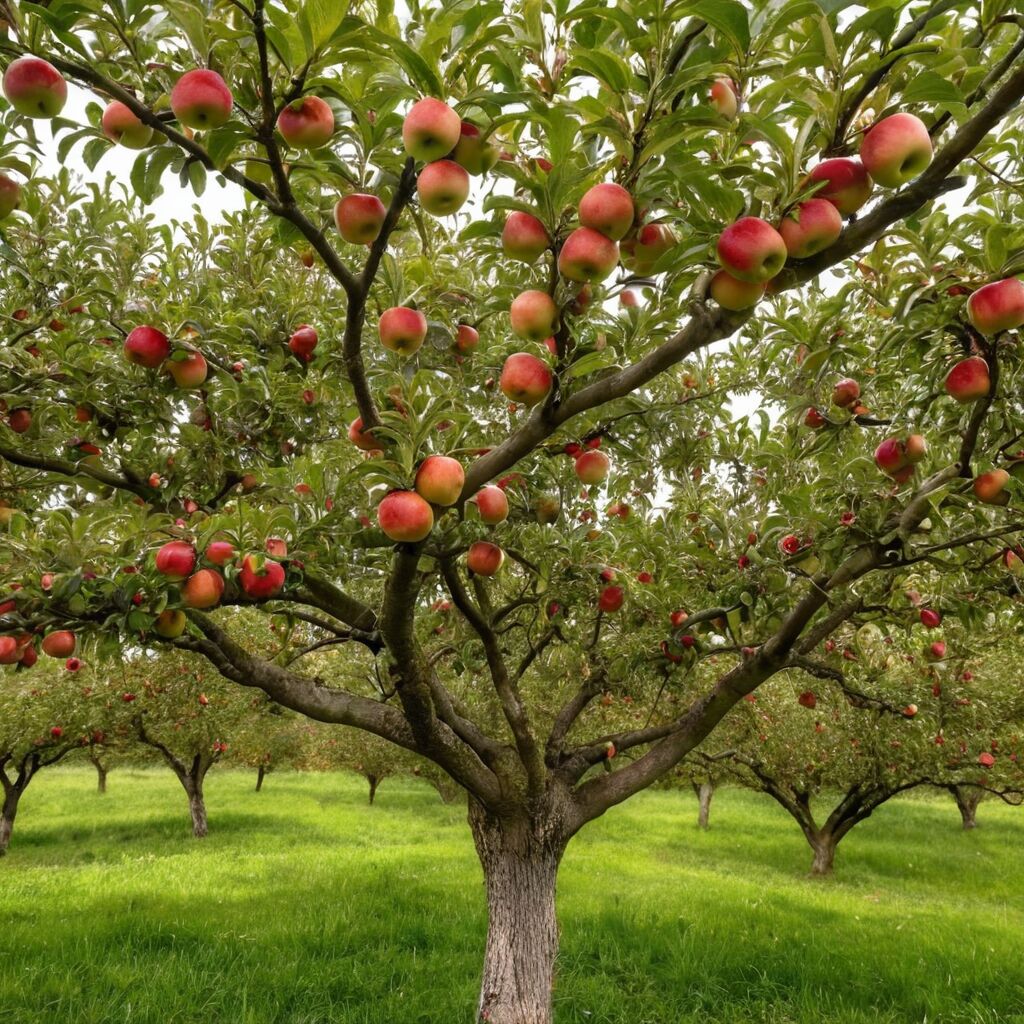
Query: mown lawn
306,906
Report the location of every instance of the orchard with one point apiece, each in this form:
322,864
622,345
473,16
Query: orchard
563,377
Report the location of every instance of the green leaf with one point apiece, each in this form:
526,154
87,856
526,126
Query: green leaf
930,87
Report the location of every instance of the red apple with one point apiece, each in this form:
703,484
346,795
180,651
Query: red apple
724,97
472,151
121,126
29,656
176,559
651,243
220,552
306,123
910,711
525,378
807,699
34,87
201,99
430,130
524,237
592,467
997,307
896,150
10,196
587,255
929,619
751,250
533,315
986,760
610,599
607,208
56,732
990,487
466,338
60,644
405,517
731,293
935,651
492,504
442,187
440,479
847,183
188,369
362,439
359,218
484,558
969,380
814,419
811,226
276,547
146,346
845,393
19,420
261,577
303,342
203,589
402,330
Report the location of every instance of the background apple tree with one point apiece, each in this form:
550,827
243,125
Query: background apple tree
240,413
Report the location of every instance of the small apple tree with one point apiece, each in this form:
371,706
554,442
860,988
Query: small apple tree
701,313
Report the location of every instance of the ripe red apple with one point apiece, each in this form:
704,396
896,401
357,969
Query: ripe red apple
610,599
935,651
896,150
492,504
176,559
524,237
121,126
430,130
969,380
466,338
525,378
997,307
628,299
170,623
930,619
891,458
986,760
146,346
807,699
592,467
306,123
188,369
847,183
359,218
60,644
814,419
809,227
910,711
402,330
362,439
303,342
751,250
587,255
56,732
405,517
724,96
990,487
276,547
677,618
261,577
442,187
845,393
1013,561
731,293
607,208
19,420
10,651
472,151
440,479
29,656
201,99
10,196
203,589
34,87
484,558
533,315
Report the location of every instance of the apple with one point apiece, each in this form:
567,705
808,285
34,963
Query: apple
442,187
203,589
10,652
188,369
847,183
607,208
122,127
809,227
525,378
892,458
989,488
997,307
533,315
220,552
405,517
472,152
935,651
303,342
896,150
628,299
276,547
176,559
306,123
29,656
969,380
524,237
592,467
807,699
402,330
440,479
724,96
431,130
261,577
362,439
146,346
642,252
201,99
845,393
751,250
986,760
60,644
910,711
915,448
359,218
19,420
492,504
10,196
466,338
814,419
731,293
484,558
930,619
677,618
56,732
1013,561
587,255
610,599
34,87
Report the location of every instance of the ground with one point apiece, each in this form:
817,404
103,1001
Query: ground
306,906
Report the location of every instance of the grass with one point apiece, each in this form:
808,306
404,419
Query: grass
306,906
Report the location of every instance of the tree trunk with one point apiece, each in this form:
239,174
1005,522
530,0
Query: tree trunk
374,783
196,805
705,791
101,778
824,847
967,800
7,815
260,775
520,862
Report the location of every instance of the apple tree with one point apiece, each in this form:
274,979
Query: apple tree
728,326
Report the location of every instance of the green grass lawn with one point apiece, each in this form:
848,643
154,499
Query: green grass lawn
306,906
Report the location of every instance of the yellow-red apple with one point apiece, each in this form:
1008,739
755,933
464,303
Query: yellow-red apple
430,130
402,330
440,479
405,517
525,379
201,99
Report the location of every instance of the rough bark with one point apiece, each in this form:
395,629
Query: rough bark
520,863
101,775
7,816
260,775
824,847
705,791
196,806
967,799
